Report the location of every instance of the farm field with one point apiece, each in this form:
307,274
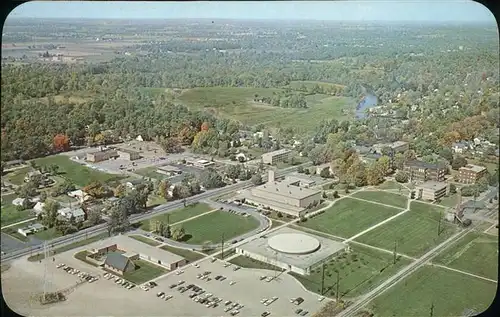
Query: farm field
144,272
250,263
177,215
360,271
414,232
9,212
210,227
144,239
77,173
450,292
349,217
186,254
238,104
476,253
383,198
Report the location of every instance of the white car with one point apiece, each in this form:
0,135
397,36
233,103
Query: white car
232,283
321,299
168,297
263,300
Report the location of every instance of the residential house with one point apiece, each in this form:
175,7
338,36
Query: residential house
129,155
20,201
423,171
31,229
80,195
38,208
68,212
471,173
31,174
460,147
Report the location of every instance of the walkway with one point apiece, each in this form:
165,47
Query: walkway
18,223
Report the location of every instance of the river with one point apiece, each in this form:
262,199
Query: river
368,101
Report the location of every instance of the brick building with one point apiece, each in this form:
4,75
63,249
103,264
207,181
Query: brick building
423,171
470,173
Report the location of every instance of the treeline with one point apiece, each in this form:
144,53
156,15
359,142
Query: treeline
285,99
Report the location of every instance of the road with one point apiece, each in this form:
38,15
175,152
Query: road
168,207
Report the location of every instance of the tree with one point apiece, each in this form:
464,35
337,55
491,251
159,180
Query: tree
401,177
61,143
325,173
178,233
184,192
233,171
399,160
458,162
205,126
167,233
447,154
163,188
53,169
27,190
300,169
119,191
49,212
453,188
384,163
94,217
210,178
97,190
118,219
374,174
257,179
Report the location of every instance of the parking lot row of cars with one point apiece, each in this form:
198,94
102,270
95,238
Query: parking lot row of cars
119,281
82,275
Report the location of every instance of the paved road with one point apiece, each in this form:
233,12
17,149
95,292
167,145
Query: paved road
168,207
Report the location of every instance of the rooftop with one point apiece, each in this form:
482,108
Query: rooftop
295,178
129,151
422,164
261,246
473,168
284,189
277,152
294,243
74,211
117,261
433,185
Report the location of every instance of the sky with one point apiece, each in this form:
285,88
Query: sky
371,10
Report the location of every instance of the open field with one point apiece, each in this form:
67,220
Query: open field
211,227
450,292
383,198
9,212
16,177
186,254
349,217
359,271
144,271
150,172
77,173
178,215
250,263
414,232
144,239
48,234
70,246
476,253
449,201
238,104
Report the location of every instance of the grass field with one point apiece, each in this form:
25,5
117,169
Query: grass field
16,177
12,231
450,292
211,227
9,212
48,234
178,215
150,172
449,201
414,232
186,254
77,173
144,239
359,271
250,263
476,253
70,246
237,103
383,198
296,84
349,217
144,272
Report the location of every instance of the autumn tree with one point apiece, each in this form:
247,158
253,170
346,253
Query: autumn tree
97,190
61,143
163,188
374,174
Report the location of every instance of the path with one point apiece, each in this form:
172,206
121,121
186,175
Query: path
463,272
20,222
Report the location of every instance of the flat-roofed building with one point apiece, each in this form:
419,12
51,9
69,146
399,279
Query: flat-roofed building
431,190
471,173
423,171
130,155
276,156
31,229
101,155
299,181
200,163
168,170
322,167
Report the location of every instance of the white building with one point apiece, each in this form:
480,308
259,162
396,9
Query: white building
80,195
31,229
77,213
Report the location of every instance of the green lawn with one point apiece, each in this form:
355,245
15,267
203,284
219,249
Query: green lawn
17,176
70,246
450,292
144,239
359,271
150,172
226,253
12,231
144,272
48,234
77,173
237,103
415,232
65,199
476,253
178,215
9,212
250,263
449,201
383,198
349,217
186,254
154,200
211,227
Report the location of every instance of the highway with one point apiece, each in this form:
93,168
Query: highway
165,208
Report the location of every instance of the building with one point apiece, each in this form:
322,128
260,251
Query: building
38,208
20,201
119,263
282,196
396,147
292,250
134,183
136,250
80,195
130,155
422,171
460,147
200,163
168,170
300,181
470,173
321,167
274,157
31,229
431,190
101,155
77,213
32,174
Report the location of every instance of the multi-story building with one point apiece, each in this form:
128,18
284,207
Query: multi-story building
470,173
274,157
101,155
423,171
431,190
130,155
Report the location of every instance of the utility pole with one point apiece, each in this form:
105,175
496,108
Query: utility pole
168,219
432,310
439,223
394,260
337,291
222,251
322,278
